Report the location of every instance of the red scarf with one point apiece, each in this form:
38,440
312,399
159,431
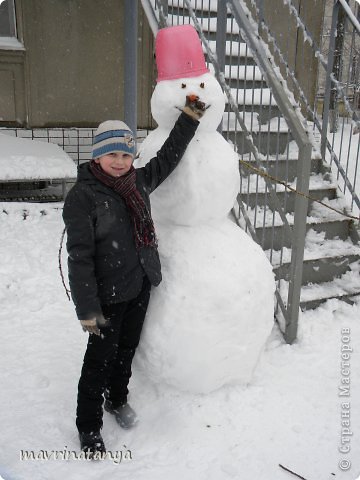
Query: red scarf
125,186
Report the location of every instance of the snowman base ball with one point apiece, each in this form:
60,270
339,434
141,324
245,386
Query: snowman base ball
208,320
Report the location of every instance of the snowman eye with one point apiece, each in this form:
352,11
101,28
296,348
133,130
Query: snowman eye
183,85
202,85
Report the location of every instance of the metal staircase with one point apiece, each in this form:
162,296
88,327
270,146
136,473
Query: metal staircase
255,124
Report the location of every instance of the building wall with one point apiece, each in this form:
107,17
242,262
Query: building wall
299,54
71,72
350,59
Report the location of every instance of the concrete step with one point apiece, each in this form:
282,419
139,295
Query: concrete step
242,76
320,270
282,168
267,143
351,298
235,52
287,199
209,7
271,231
261,113
208,24
274,236
344,286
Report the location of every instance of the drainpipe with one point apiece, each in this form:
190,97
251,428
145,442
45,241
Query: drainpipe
130,64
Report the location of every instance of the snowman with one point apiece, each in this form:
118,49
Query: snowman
208,320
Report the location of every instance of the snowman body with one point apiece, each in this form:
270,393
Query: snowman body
208,320
196,192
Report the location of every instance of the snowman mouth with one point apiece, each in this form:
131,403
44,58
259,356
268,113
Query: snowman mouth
181,108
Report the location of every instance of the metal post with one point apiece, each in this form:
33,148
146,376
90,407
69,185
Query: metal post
221,39
329,70
221,33
130,60
298,243
163,13
261,12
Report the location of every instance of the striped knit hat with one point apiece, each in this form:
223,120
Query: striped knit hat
113,136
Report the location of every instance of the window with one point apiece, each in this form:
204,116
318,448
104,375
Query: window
7,18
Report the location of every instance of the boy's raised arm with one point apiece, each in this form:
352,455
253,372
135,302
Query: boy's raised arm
170,154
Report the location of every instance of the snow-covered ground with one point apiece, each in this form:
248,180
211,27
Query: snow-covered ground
290,414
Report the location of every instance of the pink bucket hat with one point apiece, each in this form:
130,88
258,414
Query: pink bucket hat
179,53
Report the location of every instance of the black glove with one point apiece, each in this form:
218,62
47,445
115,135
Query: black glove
194,107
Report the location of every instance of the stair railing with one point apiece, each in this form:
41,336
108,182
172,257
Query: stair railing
334,109
287,238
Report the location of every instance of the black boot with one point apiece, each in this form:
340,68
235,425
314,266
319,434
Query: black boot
92,444
124,414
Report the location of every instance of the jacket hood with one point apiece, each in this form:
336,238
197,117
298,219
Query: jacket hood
84,174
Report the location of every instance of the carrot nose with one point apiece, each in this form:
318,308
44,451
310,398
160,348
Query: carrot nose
193,98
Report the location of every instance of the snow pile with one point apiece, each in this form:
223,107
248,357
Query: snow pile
289,414
23,159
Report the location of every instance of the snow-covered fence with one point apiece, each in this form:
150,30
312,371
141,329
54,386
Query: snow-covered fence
76,142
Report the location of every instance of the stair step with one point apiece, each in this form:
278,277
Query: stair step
267,142
242,76
255,184
317,247
208,24
283,169
253,96
287,199
319,270
343,287
350,298
209,6
233,49
253,123
274,236
261,113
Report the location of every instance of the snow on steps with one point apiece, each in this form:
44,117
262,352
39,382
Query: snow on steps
324,259
271,231
233,49
207,6
208,24
343,287
242,72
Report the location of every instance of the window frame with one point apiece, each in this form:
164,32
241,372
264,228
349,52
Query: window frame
12,20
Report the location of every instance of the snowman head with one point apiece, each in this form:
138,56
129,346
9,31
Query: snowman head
182,71
170,95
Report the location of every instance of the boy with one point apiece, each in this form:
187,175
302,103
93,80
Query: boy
113,261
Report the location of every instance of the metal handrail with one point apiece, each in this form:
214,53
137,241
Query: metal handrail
350,14
150,14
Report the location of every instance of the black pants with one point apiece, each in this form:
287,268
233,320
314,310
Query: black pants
108,358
